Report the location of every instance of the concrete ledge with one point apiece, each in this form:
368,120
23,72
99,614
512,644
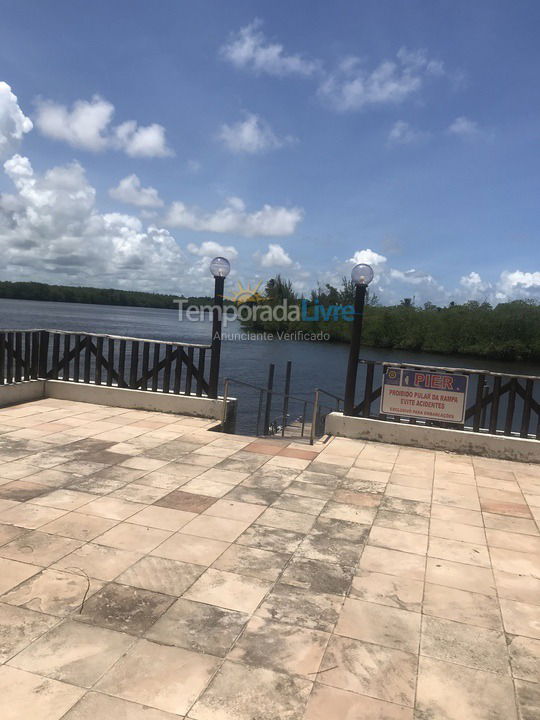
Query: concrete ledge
434,438
22,392
116,397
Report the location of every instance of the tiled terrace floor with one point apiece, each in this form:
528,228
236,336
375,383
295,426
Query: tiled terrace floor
151,570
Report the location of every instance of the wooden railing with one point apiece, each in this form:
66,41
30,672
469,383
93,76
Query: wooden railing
497,403
124,362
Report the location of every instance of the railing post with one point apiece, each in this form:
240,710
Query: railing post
268,407
354,349
217,318
43,353
286,397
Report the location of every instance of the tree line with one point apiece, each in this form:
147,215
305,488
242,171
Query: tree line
507,331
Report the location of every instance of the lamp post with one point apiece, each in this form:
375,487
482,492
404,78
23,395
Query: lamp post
220,268
361,276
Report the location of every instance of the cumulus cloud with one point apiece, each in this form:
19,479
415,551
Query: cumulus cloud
211,249
87,125
353,87
13,122
130,191
271,221
275,257
520,284
51,230
249,49
368,257
464,127
252,135
401,133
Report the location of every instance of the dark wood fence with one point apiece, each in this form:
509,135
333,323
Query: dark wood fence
123,362
497,403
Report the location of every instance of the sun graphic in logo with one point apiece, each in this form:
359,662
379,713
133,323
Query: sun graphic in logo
246,294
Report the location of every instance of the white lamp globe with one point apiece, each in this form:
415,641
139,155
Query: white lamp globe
220,267
362,274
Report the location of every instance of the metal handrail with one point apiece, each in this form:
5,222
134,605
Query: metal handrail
269,391
316,406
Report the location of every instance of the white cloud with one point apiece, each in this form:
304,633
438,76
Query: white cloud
463,127
352,87
211,249
87,125
130,191
519,284
249,49
13,122
50,230
368,257
275,257
268,221
252,135
402,133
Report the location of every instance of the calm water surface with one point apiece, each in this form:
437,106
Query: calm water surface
314,364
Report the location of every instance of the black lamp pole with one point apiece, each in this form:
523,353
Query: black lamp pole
217,315
354,349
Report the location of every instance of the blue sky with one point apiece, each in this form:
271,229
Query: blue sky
293,137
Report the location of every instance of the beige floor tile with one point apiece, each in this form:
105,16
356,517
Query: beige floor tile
74,653
381,673
229,477
162,518
216,528
282,647
199,627
54,592
402,521
137,538
416,481
398,540
207,487
96,706
112,508
327,702
457,531
297,606
191,549
237,689
393,562
406,492
528,698
379,624
166,678
143,463
317,576
297,522
350,513
79,526
513,541
453,692
510,524
239,511
517,587
38,548
391,590
456,515
521,618
19,627
228,590
64,499
252,562
161,575
25,695
468,645
462,606
457,551
12,573
460,575
519,563
139,493
30,516
98,561
524,657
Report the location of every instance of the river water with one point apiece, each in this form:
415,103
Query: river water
313,364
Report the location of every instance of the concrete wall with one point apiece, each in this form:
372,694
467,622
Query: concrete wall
22,392
117,397
434,438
